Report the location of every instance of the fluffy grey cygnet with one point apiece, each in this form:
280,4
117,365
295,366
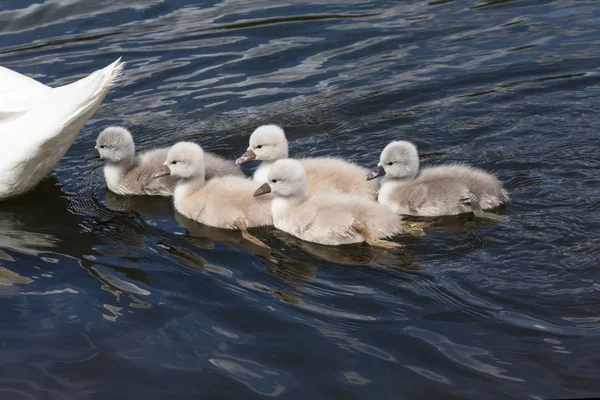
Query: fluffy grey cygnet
324,174
434,191
127,174
330,219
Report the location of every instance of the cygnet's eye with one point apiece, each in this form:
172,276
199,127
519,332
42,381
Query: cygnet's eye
273,180
102,146
390,163
173,162
259,146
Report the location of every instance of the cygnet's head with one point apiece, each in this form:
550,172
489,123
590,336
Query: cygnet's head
399,160
115,145
287,178
267,143
184,160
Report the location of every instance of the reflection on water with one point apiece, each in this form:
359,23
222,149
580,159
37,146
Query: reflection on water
473,309
10,282
138,204
9,278
465,355
260,380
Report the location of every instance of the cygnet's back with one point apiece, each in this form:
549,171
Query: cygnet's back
137,180
331,219
217,166
328,219
334,175
485,187
442,190
324,174
223,201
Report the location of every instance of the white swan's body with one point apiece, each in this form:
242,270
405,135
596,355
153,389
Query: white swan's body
38,123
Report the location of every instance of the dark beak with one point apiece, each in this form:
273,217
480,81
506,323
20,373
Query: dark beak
94,155
263,189
379,171
247,156
164,170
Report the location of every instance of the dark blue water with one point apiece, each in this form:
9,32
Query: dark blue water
109,298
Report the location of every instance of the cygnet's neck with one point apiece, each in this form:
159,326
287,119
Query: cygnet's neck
281,206
261,173
123,164
186,186
296,199
399,180
113,174
193,182
279,155
284,154
396,180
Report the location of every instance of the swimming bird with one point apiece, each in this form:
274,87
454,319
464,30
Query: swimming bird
324,174
434,191
127,174
224,202
38,123
326,218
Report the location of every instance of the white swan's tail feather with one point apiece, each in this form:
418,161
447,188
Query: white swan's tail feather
115,71
85,95
18,92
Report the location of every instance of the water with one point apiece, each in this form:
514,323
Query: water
103,297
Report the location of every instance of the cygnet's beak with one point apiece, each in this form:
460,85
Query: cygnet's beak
164,170
379,171
247,156
263,189
94,155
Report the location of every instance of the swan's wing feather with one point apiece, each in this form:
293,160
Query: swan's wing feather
8,114
12,81
18,92
417,197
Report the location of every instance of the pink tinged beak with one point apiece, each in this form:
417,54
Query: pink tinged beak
247,156
263,189
163,171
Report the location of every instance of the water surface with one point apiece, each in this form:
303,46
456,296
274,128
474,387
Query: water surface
103,297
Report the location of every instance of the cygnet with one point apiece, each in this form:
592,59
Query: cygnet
434,191
224,202
324,174
127,174
330,219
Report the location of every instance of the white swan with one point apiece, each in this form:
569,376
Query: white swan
38,123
